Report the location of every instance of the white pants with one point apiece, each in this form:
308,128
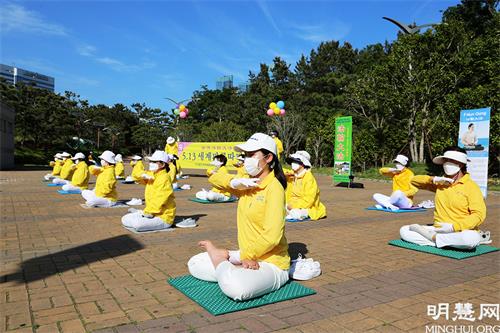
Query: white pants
467,239
297,214
60,181
141,223
211,196
70,187
237,282
94,201
49,176
397,200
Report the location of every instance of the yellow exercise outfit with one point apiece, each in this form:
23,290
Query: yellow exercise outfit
260,220
57,166
222,170
240,172
105,185
401,181
119,170
173,149
279,146
159,195
138,169
81,176
67,170
461,203
302,192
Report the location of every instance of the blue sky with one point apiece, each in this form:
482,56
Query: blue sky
131,51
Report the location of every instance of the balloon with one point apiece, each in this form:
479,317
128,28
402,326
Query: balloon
186,111
182,107
281,104
270,112
176,112
282,112
183,114
272,105
277,111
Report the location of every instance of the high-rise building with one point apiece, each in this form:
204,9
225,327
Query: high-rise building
15,75
224,82
243,87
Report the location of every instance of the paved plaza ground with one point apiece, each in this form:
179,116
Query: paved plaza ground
68,269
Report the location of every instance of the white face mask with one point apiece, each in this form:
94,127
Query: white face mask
450,168
399,166
77,161
104,163
295,166
153,167
216,163
252,166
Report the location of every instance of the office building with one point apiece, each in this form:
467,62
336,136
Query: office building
224,82
15,75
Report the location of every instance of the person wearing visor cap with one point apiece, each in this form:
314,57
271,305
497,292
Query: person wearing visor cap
172,148
119,167
262,262
137,169
219,163
81,175
460,207
302,191
402,189
56,165
104,194
240,169
66,170
279,144
159,212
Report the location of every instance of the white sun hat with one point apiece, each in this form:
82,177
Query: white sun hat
170,140
136,157
159,156
118,158
65,154
78,156
58,155
301,156
256,142
401,159
452,155
108,156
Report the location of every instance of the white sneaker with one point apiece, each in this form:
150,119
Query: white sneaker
426,204
304,269
134,202
186,187
485,237
187,223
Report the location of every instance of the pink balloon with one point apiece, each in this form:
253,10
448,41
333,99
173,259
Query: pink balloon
270,112
186,110
282,112
183,114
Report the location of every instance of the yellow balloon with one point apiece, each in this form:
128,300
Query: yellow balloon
272,105
182,107
277,111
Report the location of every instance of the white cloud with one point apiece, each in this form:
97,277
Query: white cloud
120,66
16,18
86,50
263,7
336,30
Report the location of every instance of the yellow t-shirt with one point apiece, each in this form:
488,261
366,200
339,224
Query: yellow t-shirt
138,170
401,181
303,193
160,199
105,184
81,176
67,170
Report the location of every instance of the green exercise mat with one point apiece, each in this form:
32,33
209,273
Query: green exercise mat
211,202
209,296
450,253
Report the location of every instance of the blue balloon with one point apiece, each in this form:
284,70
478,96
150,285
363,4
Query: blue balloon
281,104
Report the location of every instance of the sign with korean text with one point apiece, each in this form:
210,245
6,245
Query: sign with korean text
198,155
474,137
343,149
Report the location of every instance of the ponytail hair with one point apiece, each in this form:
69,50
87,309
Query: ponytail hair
275,165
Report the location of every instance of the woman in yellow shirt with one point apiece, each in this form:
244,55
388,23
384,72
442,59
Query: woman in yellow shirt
460,207
402,189
279,144
119,167
104,194
137,169
216,194
80,179
262,262
56,165
172,148
302,191
66,170
159,212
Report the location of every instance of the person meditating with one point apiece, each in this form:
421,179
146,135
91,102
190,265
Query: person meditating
81,175
219,163
262,262
104,194
402,189
302,191
460,207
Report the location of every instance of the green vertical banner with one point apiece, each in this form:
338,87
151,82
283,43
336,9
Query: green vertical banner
343,149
